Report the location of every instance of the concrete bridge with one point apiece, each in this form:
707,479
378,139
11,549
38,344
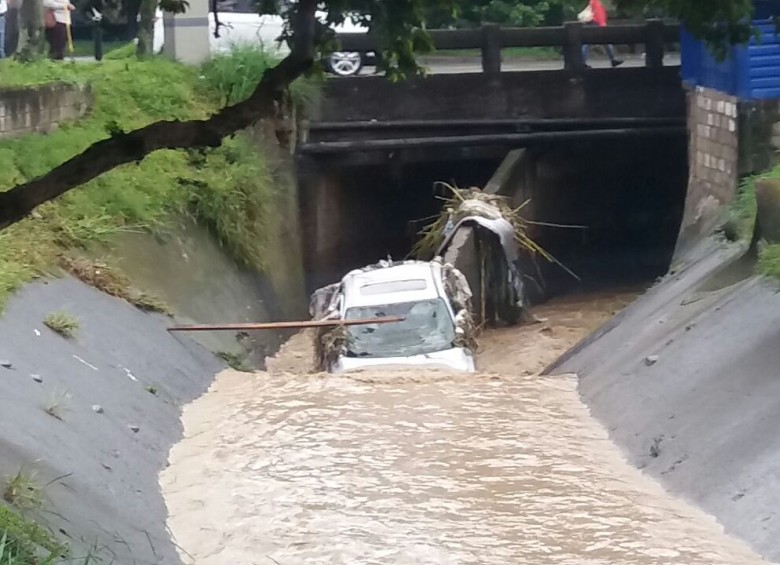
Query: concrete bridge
604,148
498,109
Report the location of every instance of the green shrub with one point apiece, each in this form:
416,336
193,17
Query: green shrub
744,213
234,75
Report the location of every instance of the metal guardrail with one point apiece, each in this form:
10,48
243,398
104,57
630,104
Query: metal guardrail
490,39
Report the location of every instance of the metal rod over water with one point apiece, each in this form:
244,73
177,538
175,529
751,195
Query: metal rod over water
286,325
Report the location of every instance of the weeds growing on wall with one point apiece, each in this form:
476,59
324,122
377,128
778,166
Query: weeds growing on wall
23,542
62,323
228,188
744,211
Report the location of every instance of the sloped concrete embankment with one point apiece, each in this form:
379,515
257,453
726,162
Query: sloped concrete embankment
113,395
687,381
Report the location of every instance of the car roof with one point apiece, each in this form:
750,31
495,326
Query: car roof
405,282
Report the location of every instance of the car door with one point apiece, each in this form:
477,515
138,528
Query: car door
240,24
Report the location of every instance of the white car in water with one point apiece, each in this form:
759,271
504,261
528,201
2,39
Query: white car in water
433,313
240,23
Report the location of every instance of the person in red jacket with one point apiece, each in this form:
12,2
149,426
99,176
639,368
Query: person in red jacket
598,16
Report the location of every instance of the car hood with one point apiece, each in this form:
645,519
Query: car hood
455,359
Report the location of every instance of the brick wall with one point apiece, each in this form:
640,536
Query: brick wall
41,108
713,123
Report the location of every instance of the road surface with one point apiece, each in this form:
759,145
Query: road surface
451,65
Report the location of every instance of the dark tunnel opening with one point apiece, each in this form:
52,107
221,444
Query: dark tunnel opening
628,195
404,200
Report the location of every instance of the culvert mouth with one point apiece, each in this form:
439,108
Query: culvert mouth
609,210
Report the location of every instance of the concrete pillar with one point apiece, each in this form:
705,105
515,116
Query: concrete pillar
324,222
187,34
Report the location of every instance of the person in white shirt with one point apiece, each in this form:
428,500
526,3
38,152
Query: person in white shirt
57,22
3,12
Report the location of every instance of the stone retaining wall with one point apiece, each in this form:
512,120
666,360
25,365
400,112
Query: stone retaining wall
42,108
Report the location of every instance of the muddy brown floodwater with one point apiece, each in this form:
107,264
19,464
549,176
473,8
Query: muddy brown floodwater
424,467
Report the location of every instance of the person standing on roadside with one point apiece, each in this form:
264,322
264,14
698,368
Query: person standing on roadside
596,14
3,12
57,21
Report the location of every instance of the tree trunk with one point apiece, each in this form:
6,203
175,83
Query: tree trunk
12,28
32,43
146,28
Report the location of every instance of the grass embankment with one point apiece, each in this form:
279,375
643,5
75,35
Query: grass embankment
86,48
744,212
230,189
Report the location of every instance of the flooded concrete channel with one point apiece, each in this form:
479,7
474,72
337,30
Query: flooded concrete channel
504,466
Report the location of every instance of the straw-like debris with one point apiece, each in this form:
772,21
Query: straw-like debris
328,344
112,281
463,202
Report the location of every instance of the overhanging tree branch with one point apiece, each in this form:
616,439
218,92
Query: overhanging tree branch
123,148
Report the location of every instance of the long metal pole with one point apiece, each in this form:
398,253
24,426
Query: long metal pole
285,325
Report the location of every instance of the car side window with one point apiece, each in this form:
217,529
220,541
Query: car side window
237,6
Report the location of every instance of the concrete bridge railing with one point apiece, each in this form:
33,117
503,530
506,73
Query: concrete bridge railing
490,39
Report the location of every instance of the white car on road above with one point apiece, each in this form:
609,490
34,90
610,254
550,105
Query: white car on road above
428,295
241,24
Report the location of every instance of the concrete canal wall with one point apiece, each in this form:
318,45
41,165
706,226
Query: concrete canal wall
687,381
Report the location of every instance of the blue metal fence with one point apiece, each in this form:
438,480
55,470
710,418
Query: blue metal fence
750,72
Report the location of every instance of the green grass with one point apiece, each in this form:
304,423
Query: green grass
743,212
86,48
22,492
233,76
229,188
23,542
743,209
769,261
62,323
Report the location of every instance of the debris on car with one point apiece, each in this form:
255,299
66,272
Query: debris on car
483,236
432,297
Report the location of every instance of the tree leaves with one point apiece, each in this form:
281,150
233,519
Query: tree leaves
721,23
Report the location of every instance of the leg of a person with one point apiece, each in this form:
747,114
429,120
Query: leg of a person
49,33
585,46
61,38
610,52
2,36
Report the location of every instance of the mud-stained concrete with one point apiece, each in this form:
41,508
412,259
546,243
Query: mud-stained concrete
113,395
687,381
424,467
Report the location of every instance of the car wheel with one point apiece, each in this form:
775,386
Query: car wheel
345,63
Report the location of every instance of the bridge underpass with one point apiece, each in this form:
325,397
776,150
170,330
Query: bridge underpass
601,148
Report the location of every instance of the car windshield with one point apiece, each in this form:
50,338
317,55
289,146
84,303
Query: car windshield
427,328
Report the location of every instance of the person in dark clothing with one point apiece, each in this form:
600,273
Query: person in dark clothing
57,22
95,9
